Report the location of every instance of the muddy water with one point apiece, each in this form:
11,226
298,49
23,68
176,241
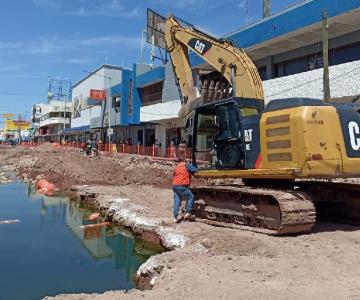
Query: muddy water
48,253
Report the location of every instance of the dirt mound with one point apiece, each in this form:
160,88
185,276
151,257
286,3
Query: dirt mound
72,167
45,147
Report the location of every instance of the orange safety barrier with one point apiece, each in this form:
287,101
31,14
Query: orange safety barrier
94,216
56,145
9,221
171,152
45,187
96,225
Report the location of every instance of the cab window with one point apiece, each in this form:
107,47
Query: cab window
248,111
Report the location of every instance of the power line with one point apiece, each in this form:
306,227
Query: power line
21,94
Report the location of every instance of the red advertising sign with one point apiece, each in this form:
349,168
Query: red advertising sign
98,94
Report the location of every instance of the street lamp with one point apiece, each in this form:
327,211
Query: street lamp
109,106
109,115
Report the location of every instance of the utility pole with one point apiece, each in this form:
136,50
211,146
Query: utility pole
266,8
109,114
326,80
64,122
19,127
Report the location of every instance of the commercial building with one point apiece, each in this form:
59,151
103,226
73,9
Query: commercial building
49,120
160,101
142,101
16,129
90,114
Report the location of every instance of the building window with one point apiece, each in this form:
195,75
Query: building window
315,61
116,102
296,66
346,54
262,73
291,67
152,94
279,70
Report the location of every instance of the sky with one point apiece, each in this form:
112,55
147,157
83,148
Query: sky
63,38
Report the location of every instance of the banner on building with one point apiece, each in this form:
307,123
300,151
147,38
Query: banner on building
16,125
98,94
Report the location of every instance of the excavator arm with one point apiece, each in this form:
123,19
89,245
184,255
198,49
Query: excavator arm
233,63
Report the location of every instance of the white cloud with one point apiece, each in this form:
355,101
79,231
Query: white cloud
110,41
189,4
11,67
80,61
90,8
53,44
206,31
242,4
106,12
195,6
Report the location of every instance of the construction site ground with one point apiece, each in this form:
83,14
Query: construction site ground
205,262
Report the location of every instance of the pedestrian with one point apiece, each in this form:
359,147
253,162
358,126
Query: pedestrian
88,147
181,188
172,149
94,149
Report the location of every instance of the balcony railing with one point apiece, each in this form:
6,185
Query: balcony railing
51,121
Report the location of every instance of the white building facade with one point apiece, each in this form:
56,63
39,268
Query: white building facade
50,119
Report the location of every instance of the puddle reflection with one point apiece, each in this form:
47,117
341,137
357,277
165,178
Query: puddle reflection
51,252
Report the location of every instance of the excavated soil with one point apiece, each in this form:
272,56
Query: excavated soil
208,262
66,168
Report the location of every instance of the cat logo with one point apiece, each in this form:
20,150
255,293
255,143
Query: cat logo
354,133
248,138
248,135
199,46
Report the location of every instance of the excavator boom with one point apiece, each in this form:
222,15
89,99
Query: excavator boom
233,63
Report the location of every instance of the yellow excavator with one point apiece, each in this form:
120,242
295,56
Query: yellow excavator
287,153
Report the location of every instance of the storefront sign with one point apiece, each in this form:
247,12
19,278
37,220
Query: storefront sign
16,125
98,94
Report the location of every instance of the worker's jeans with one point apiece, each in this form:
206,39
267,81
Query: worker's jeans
181,191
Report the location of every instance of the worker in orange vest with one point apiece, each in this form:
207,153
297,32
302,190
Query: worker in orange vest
181,188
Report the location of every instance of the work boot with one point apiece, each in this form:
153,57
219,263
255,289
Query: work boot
177,220
189,217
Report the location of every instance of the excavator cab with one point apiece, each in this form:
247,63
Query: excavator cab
224,132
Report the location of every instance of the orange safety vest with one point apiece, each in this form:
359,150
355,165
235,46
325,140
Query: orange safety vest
182,175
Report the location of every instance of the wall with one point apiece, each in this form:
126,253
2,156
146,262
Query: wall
170,88
344,81
81,92
86,116
160,134
297,17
